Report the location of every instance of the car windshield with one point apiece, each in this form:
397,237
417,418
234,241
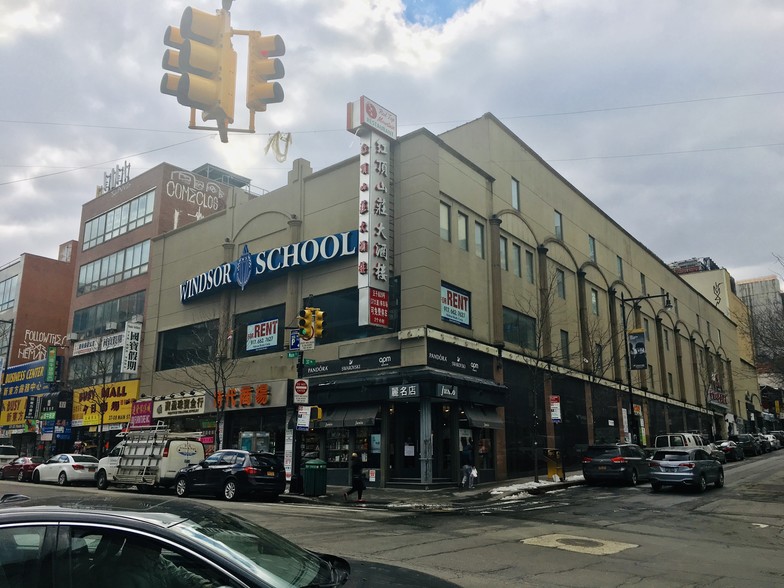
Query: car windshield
602,452
671,455
262,553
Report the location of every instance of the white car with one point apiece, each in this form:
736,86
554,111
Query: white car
774,442
67,468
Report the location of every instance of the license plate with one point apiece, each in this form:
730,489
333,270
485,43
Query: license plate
91,469
601,468
670,469
271,474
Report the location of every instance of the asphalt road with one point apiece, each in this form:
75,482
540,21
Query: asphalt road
581,536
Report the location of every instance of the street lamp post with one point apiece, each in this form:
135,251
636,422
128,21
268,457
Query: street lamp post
634,428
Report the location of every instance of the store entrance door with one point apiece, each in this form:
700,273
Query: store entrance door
405,450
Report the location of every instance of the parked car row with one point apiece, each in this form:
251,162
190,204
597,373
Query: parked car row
230,473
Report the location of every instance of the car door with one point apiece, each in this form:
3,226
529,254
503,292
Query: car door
220,470
47,472
708,465
199,475
637,456
12,469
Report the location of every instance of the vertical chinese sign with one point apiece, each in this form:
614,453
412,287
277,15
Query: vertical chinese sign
131,348
377,129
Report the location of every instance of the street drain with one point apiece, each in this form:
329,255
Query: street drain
579,544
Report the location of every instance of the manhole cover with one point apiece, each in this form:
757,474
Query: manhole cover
579,544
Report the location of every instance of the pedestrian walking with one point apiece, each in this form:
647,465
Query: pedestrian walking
467,463
357,479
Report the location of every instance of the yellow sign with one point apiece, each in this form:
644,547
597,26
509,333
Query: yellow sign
113,400
14,411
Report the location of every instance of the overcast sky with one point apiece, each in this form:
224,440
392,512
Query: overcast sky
669,114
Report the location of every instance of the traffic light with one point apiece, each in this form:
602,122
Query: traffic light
261,69
315,413
305,320
318,323
205,66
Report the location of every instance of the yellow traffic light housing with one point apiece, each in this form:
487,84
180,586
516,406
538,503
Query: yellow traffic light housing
315,413
205,64
318,323
261,69
305,321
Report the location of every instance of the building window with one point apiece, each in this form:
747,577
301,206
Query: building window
558,218
666,339
96,368
595,301
341,309
120,265
120,220
646,328
8,292
504,261
598,359
709,329
560,283
592,248
675,304
643,285
619,266
529,266
187,346
91,321
517,260
462,231
650,376
565,346
519,329
670,384
699,324
446,227
718,334
479,240
515,194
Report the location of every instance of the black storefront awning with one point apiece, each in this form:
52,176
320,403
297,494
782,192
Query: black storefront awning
360,416
332,417
483,417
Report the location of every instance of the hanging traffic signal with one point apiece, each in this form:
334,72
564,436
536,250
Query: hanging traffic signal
205,66
318,323
305,321
261,69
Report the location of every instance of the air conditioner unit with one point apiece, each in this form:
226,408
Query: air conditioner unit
72,337
111,326
137,318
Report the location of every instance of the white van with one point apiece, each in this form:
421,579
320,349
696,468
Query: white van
148,459
678,440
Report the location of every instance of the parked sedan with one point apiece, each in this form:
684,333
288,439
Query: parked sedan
732,450
716,453
773,441
692,467
67,468
748,444
20,469
765,446
232,473
619,462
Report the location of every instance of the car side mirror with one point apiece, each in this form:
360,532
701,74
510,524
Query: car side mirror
203,463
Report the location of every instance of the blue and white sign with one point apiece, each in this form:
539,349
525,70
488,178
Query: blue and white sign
273,262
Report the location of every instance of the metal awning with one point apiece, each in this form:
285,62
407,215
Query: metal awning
483,417
360,416
331,417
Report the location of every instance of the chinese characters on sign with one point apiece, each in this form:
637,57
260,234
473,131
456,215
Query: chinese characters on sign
131,347
243,397
377,128
404,391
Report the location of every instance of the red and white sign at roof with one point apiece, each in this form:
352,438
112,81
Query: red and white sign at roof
364,113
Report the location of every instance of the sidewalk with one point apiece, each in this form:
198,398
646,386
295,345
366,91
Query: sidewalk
441,499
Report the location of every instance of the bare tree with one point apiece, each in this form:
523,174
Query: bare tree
207,364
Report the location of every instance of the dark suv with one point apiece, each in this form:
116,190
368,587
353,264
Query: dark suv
617,462
231,473
748,443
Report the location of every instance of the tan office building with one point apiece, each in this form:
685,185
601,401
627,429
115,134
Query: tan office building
508,294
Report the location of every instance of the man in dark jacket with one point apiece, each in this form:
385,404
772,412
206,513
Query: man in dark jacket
357,479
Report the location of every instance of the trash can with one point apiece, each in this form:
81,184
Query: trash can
315,477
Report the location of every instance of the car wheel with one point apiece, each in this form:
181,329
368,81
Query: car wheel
62,479
101,481
656,486
702,483
633,479
20,476
181,486
720,479
36,478
230,490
